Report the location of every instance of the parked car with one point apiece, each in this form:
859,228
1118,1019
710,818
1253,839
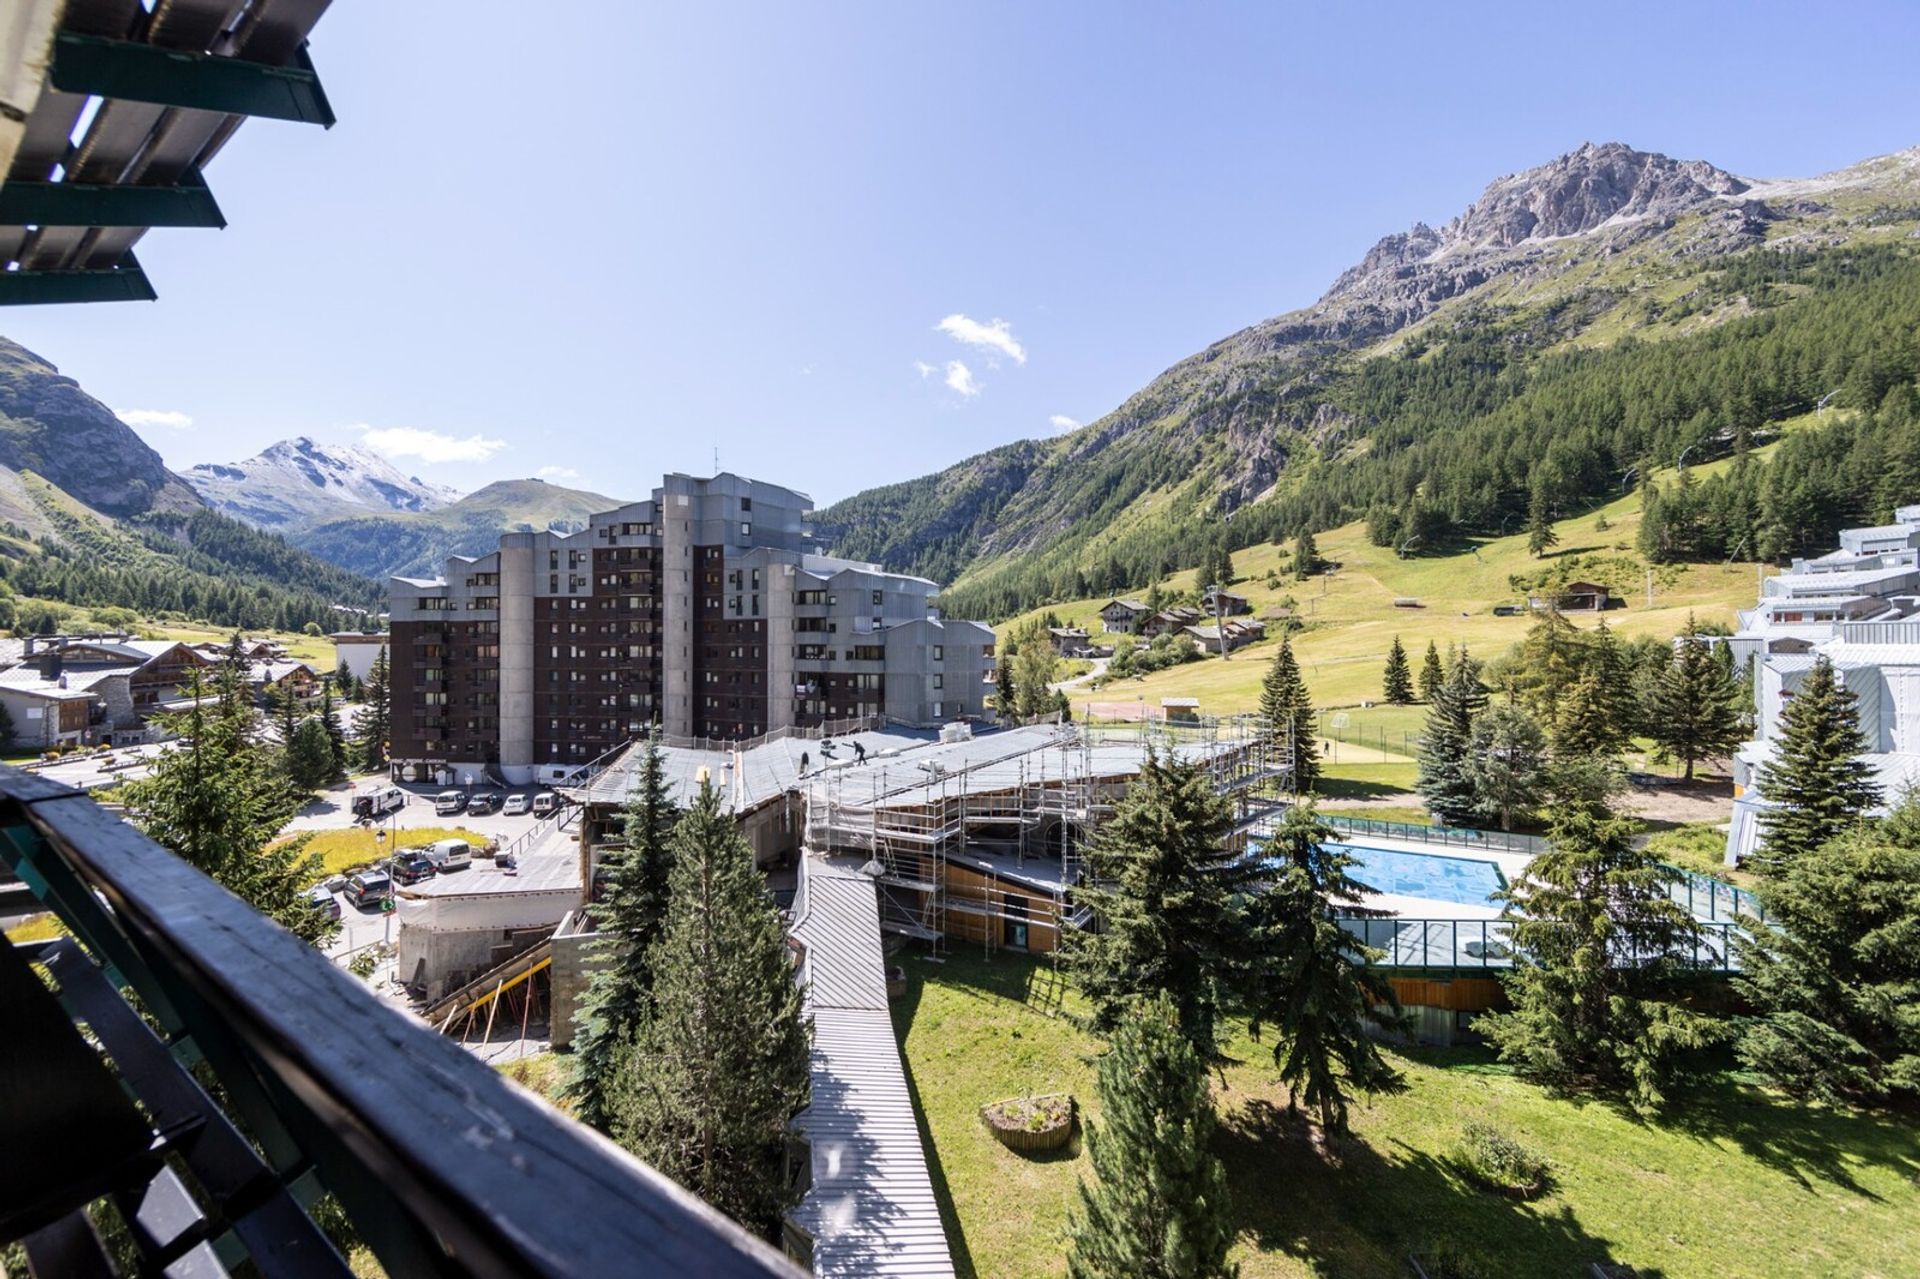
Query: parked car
449,854
546,804
517,803
379,803
449,802
369,887
411,867
324,902
483,803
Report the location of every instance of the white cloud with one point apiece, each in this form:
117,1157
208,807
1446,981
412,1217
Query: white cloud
924,369
960,378
172,419
428,446
1061,422
557,473
995,335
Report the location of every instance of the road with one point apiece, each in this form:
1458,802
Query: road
89,772
1099,669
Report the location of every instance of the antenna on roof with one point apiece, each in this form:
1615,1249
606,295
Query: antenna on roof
716,459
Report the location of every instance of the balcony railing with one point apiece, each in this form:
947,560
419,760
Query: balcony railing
441,1166
1488,943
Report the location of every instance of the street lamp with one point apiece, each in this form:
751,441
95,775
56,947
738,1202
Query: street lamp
392,847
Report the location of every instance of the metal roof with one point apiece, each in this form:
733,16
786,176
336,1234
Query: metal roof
124,106
871,1209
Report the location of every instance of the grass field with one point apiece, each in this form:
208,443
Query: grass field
340,849
1351,620
1739,1182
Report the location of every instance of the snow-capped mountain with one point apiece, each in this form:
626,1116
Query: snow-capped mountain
297,483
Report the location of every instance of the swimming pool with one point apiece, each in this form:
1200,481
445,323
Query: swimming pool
1462,881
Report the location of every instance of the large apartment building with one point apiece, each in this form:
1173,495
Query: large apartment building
708,610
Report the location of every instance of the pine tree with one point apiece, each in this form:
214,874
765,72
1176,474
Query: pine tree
336,739
1157,1208
309,756
373,722
1313,982
1442,780
1306,555
1540,534
1165,888
218,802
1432,674
343,680
1587,725
1286,712
628,919
1695,713
1397,683
1815,783
1006,681
1599,945
1505,764
1835,971
718,1065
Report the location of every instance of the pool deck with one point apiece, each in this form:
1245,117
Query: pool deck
1512,867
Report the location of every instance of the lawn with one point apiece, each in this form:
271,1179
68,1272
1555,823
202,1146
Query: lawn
1738,1182
1345,783
341,849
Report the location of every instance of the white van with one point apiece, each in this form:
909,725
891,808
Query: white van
449,854
546,804
378,803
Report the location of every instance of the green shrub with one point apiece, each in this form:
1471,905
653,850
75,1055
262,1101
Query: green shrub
1449,1258
1491,1158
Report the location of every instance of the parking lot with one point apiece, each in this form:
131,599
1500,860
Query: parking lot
333,810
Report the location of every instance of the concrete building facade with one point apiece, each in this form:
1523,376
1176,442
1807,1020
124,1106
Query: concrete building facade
707,609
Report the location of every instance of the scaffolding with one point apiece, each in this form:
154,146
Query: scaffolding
992,845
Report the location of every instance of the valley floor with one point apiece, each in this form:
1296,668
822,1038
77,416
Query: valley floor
1737,1181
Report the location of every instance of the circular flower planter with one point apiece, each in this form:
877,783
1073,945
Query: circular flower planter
1031,1125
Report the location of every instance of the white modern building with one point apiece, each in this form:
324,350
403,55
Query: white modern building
1859,608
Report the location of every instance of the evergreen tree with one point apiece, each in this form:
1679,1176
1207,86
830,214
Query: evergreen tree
1167,891
1036,666
1505,764
373,722
218,802
1313,982
1006,681
309,756
1815,783
7,729
1397,683
1286,712
1442,780
343,680
1599,944
629,918
1587,725
1695,713
336,739
286,712
1306,555
1540,534
1541,668
1432,674
1157,1208
1835,970
718,1065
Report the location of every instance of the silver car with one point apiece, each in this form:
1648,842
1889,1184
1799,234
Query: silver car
517,804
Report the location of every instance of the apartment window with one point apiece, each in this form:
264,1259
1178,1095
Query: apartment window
939,681
939,653
936,710
746,504
746,529
553,559
433,603
876,599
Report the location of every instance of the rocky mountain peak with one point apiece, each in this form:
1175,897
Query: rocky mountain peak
1583,189
299,481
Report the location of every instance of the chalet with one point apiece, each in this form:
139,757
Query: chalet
1575,597
1238,633
1169,621
1221,603
45,712
1123,616
272,679
1068,641
135,677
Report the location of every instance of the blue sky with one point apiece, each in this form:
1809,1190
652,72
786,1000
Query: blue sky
608,243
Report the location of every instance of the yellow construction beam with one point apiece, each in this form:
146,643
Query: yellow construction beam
499,990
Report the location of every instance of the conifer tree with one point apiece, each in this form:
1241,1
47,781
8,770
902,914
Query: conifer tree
1540,534
1599,944
1432,674
1312,980
1694,715
219,803
373,722
1505,764
309,756
1166,890
1286,712
628,919
1006,679
1157,1207
1835,970
718,1064
343,680
1545,664
1306,555
1587,725
1815,783
336,739
1442,780
1396,685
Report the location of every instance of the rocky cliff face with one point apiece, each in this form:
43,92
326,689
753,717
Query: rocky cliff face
48,425
297,483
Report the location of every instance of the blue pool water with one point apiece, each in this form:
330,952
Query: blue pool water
1464,881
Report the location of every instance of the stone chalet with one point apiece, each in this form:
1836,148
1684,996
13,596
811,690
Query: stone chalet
1225,603
1123,616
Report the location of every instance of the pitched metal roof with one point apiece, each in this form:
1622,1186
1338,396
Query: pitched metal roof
871,1209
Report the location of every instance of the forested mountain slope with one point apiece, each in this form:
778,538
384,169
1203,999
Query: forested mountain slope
419,543
1581,319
